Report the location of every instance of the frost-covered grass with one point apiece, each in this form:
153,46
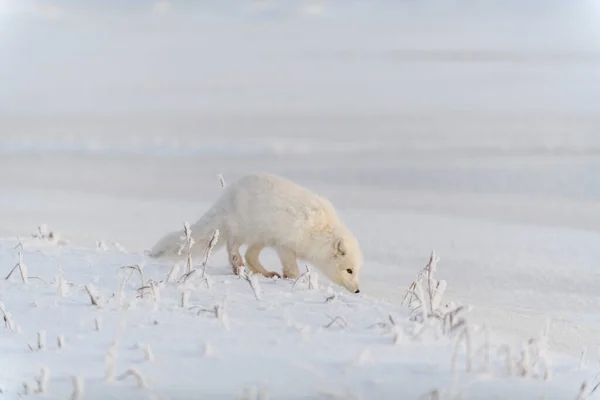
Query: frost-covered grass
83,330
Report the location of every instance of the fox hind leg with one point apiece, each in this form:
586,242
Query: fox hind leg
235,258
252,254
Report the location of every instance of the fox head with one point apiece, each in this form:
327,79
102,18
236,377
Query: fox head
344,263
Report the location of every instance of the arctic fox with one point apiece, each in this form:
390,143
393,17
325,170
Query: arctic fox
265,210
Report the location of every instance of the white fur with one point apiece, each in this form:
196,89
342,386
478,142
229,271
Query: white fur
265,210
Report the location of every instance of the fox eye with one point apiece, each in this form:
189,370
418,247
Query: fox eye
349,271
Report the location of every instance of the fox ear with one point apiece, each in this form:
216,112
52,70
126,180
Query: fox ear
340,249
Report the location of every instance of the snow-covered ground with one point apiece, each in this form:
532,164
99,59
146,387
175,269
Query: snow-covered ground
284,339
471,130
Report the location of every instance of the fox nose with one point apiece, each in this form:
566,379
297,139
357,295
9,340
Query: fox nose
357,291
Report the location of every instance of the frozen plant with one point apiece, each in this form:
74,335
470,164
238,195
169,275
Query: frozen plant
44,233
148,353
340,321
42,380
310,277
596,383
583,395
8,323
154,289
222,180
41,340
211,244
252,280
77,388
582,358
173,272
185,299
391,327
187,241
218,310
22,268
140,271
91,291
141,382
110,362
435,288
61,286
464,336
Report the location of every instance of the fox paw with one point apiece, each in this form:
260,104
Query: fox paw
272,275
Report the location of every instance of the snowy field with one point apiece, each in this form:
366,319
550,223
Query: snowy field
470,129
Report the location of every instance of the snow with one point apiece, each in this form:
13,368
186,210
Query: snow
468,129
281,344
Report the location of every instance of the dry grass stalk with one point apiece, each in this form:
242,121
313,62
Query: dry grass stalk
22,269
41,340
208,251
428,271
19,244
211,245
137,268
93,297
185,298
390,327
449,324
77,388
110,362
173,272
426,303
42,380
583,391
148,353
221,180
141,382
307,275
340,321
218,310
252,281
153,288
61,285
465,335
187,241
597,384
582,358
8,323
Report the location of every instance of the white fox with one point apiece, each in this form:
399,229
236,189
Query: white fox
265,210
